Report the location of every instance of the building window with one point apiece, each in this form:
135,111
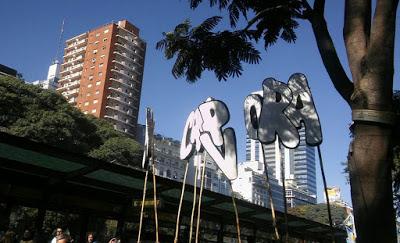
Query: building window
105,39
98,82
100,65
93,60
89,85
100,74
88,94
85,112
106,31
86,103
91,77
97,91
95,51
103,48
98,34
102,56
96,42
95,101
94,111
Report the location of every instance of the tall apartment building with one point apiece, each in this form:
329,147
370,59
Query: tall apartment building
299,164
53,75
102,73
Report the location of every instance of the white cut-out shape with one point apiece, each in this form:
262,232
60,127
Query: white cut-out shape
252,111
302,109
225,158
276,97
215,114
186,150
148,143
197,130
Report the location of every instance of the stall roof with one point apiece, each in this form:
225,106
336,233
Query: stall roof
34,168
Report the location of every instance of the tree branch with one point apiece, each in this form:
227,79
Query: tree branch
328,52
357,24
260,15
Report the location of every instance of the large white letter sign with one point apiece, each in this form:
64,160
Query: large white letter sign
281,111
302,109
203,130
148,143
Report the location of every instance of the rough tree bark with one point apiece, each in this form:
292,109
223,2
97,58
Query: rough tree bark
370,52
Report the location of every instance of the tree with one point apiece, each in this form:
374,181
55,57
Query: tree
123,150
45,116
319,213
369,42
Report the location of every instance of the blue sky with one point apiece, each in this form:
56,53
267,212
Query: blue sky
29,39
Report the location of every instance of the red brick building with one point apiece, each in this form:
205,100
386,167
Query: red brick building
102,73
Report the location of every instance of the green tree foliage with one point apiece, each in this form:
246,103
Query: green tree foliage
319,213
119,149
45,116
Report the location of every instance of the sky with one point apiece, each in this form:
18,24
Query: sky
30,32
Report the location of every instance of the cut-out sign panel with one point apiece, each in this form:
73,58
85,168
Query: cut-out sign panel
281,110
203,131
148,142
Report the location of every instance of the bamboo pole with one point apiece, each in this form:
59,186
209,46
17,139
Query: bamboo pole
236,214
200,195
194,199
142,206
271,203
180,204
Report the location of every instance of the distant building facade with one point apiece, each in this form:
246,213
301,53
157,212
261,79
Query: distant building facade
251,184
7,71
102,73
53,75
299,165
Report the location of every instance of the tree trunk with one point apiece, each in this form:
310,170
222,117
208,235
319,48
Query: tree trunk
371,183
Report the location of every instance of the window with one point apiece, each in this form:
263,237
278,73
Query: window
98,83
88,94
95,101
98,34
102,56
89,85
105,39
86,103
100,74
96,42
94,111
100,65
95,51
91,77
97,91
93,60
85,112
92,67
106,31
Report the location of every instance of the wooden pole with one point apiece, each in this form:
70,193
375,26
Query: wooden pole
271,203
180,204
142,206
236,214
200,195
194,198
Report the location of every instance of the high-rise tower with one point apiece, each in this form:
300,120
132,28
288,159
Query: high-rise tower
299,162
102,73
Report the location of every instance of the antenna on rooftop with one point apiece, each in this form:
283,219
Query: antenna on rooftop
59,47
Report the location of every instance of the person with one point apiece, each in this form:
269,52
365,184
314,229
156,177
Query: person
114,240
91,238
63,238
59,231
27,237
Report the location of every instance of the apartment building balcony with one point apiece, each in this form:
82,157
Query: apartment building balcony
128,58
72,69
69,86
70,77
76,41
75,52
71,61
117,108
135,43
126,47
117,119
125,83
123,65
71,93
122,92
120,100
121,73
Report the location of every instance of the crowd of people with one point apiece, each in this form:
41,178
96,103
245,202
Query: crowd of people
60,236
